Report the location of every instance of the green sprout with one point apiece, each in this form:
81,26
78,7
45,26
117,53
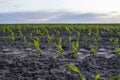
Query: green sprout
116,40
78,33
20,33
30,44
68,30
39,79
76,70
97,77
50,38
69,39
94,51
111,41
118,52
25,40
36,44
114,78
90,32
59,46
31,34
75,46
12,37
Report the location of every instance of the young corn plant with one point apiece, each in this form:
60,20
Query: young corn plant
21,34
59,47
39,79
75,47
76,70
94,51
69,39
111,41
114,78
36,45
29,44
82,76
68,30
90,32
31,34
50,38
25,40
78,34
116,40
12,37
118,52
97,77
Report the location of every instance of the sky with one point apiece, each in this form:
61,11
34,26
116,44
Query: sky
59,11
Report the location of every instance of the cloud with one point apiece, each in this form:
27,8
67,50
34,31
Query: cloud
110,19
77,18
57,17
4,1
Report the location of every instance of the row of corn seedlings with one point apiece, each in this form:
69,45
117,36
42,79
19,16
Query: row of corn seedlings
46,31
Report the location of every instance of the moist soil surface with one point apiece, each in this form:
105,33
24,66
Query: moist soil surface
18,60
32,67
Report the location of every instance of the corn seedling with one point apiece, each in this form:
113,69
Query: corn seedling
90,32
12,37
115,78
76,70
36,44
118,33
25,40
30,44
50,38
68,30
111,41
118,52
58,32
20,33
97,77
59,46
75,46
69,39
31,35
116,40
94,51
39,79
78,33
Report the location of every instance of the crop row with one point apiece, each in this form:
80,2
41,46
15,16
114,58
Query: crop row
75,35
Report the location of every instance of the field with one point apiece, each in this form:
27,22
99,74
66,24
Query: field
60,52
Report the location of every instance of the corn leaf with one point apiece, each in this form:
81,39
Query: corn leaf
115,78
73,68
97,77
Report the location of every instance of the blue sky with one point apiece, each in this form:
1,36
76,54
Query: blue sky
59,11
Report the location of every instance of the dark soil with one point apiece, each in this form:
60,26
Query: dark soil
32,67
